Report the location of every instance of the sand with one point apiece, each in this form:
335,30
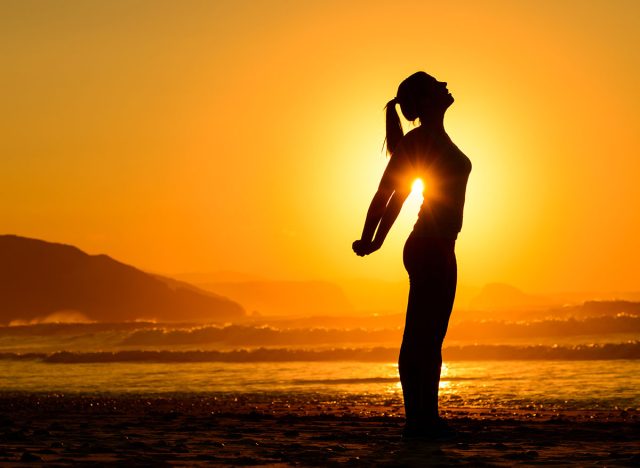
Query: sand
300,430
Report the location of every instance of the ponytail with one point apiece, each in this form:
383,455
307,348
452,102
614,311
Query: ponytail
394,127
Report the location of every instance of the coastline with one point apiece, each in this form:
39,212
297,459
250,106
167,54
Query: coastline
297,429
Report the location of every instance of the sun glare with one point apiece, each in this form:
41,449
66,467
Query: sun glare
417,188
415,198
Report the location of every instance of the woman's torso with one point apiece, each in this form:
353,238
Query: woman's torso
444,170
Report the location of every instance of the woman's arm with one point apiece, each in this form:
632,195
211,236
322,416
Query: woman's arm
376,210
374,214
389,217
383,222
386,204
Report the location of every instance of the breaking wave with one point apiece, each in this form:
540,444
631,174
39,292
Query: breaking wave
144,335
607,351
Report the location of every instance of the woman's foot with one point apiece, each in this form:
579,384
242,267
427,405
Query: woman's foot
436,429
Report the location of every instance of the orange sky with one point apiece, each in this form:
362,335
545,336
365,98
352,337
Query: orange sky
246,135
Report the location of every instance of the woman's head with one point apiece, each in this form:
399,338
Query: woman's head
420,96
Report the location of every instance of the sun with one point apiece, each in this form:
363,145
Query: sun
417,188
415,198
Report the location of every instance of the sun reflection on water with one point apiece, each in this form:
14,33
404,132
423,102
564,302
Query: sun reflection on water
445,383
514,384
444,373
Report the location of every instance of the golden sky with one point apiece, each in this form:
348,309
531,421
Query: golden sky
197,136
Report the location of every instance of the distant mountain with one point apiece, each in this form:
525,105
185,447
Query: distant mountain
579,297
499,296
290,298
42,280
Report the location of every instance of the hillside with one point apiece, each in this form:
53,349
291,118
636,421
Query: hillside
500,296
42,280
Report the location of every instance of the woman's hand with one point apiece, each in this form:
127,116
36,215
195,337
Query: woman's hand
362,248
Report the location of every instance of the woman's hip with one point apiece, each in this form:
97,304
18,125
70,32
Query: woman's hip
429,257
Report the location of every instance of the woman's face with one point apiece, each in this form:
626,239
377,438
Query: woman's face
441,97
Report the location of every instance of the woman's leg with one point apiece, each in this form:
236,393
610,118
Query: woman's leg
432,274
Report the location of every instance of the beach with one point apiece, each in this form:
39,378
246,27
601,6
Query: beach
297,430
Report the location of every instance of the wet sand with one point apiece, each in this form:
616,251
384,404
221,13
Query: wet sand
300,430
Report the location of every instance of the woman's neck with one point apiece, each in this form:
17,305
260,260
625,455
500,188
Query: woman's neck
433,121
433,125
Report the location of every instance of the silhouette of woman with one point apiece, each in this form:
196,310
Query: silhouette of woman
426,152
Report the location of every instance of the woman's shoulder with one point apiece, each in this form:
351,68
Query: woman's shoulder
428,147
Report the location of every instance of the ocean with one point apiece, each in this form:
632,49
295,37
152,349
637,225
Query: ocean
115,359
